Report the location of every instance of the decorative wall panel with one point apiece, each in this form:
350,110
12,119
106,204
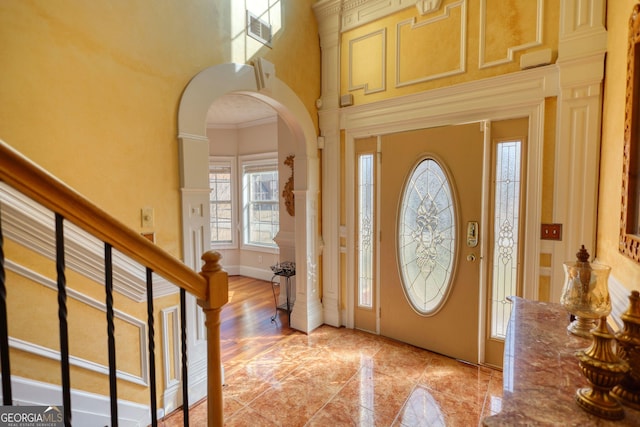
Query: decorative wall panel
415,39
131,369
507,30
367,62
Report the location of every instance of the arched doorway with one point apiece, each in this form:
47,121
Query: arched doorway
299,131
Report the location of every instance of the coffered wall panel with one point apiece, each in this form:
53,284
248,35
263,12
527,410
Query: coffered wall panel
437,43
419,53
367,62
507,30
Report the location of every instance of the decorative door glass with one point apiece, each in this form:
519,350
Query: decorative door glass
365,226
505,235
427,237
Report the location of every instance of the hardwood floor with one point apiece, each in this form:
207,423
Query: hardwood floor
246,328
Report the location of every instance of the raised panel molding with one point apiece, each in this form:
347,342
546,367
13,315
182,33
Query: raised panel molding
195,217
582,28
382,52
581,16
513,49
33,226
41,351
446,14
171,366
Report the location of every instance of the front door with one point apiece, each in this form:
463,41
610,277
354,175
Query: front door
430,247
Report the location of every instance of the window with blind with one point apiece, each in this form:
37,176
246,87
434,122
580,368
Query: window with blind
260,204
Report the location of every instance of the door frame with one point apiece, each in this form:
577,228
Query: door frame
504,98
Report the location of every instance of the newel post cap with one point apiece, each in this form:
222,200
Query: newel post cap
218,280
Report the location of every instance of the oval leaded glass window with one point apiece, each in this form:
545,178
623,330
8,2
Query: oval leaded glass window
427,231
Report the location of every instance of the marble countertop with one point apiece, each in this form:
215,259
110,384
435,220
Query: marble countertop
541,373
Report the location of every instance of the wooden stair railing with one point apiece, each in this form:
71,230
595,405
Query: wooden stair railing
210,286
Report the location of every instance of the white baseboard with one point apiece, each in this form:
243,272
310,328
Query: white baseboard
256,273
87,409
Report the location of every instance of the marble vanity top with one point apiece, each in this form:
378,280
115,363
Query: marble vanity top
541,373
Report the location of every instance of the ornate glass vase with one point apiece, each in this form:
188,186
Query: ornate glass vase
585,293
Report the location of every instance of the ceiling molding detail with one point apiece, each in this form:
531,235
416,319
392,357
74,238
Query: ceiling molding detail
359,12
236,111
428,6
243,125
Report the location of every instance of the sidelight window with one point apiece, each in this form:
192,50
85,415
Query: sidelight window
506,244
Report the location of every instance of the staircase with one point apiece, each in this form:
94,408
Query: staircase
70,210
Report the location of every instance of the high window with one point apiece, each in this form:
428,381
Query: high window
260,204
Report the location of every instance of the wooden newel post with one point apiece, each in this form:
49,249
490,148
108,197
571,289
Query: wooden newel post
218,296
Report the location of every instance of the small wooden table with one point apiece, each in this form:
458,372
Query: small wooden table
541,373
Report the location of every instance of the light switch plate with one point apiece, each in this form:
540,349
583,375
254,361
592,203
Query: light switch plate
551,232
147,217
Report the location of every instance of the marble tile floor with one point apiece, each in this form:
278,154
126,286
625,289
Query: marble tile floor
341,377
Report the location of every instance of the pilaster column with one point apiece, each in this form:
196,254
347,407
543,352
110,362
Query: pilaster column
581,55
328,15
307,311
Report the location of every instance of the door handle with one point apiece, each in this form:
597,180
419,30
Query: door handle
472,234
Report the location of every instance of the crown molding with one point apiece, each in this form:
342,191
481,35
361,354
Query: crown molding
243,125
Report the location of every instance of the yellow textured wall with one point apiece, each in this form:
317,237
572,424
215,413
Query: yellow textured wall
622,268
90,91
385,58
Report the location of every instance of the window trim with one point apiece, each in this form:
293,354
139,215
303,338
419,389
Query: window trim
270,158
230,161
